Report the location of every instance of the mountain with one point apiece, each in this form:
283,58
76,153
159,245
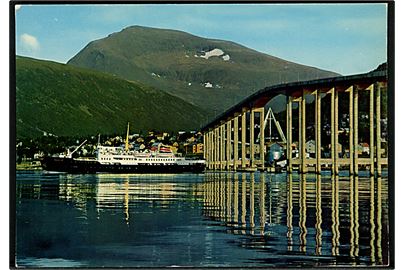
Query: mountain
65,100
211,74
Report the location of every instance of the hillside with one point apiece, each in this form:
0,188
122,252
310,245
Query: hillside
66,100
212,74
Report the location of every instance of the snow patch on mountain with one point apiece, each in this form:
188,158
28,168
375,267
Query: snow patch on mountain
226,57
214,52
208,85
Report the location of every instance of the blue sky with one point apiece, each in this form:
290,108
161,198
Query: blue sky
345,38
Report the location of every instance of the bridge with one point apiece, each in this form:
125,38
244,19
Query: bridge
230,139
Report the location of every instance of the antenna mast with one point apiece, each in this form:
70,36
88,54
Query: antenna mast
126,140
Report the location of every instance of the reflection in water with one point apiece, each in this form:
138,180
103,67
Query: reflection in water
303,212
236,200
379,224
262,199
270,203
202,220
126,200
335,215
290,228
228,198
372,225
252,203
318,249
243,217
375,222
354,217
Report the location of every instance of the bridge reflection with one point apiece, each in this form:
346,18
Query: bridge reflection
318,215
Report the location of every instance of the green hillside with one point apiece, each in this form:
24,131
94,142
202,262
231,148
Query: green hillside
66,100
180,63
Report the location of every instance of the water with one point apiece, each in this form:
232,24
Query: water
200,220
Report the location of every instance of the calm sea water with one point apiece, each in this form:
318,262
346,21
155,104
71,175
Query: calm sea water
200,220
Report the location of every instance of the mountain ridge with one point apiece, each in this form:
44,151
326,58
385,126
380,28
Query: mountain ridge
212,74
59,99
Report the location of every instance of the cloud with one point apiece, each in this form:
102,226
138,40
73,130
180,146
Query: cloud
29,43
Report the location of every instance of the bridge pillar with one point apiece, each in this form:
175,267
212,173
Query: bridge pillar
212,146
299,130
289,134
216,148
222,155
332,127
220,137
235,142
356,130
205,143
204,146
219,148
336,134
318,130
378,128
252,139
243,139
262,146
371,89
351,129
212,159
228,144
211,149
302,132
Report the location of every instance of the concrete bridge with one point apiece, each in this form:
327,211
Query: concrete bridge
229,140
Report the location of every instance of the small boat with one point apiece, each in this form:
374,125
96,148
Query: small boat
111,159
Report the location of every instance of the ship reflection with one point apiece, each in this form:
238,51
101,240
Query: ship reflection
121,192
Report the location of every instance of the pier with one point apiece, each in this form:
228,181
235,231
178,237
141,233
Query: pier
235,140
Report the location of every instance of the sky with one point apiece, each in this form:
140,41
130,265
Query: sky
345,38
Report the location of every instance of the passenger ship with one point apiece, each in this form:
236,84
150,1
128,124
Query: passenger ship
122,160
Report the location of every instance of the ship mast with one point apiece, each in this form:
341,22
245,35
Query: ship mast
126,140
